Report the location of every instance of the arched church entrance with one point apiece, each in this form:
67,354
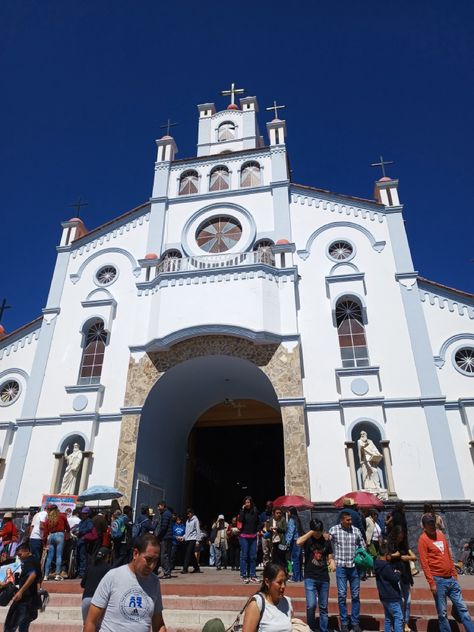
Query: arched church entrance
235,449
179,450
172,393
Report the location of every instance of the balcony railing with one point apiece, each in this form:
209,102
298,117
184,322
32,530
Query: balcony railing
207,262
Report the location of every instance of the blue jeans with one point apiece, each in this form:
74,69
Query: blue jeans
316,591
406,601
346,574
81,548
248,556
393,616
55,543
297,574
450,588
36,546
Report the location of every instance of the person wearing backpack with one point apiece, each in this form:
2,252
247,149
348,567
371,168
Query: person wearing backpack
122,535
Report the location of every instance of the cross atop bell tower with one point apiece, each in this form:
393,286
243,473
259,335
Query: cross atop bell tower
232,129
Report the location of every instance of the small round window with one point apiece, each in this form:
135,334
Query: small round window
464,360
340,250
9,392
106,275
219,234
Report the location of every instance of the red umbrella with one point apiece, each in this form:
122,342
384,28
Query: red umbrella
362,499
298,502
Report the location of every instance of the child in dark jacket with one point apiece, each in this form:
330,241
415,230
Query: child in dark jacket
388,585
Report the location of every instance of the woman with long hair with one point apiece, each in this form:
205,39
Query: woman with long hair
248,519
269,610
55,530
400,556
293,531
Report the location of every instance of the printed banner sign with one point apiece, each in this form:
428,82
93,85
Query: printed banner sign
66,504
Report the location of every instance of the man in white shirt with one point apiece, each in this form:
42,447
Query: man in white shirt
36,533
128,598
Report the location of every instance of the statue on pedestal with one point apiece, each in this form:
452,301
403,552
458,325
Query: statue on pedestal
369,457
73,461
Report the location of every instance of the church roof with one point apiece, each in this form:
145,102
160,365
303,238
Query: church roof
342,195
115,220
446,288
20,331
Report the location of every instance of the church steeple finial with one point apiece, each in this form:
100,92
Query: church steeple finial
386,189
382,164
232,92
168,125
275,108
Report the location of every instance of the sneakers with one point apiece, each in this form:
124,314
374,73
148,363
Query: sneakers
356,628
344,628
245,580
254,580
58,578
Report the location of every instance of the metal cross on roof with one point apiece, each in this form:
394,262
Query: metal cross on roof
275,107
3,307
77,205
382,164
232,92
168,125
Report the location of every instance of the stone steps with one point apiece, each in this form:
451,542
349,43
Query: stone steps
187,606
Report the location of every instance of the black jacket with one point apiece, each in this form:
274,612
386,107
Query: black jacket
249,520
387,581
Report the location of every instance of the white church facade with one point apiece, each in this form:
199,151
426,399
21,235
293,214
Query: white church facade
237,301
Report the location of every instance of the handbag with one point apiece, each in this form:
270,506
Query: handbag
7,593
297,625
236,626
363,559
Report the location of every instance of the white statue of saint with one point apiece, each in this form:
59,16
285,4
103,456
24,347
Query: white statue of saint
72,469
369,458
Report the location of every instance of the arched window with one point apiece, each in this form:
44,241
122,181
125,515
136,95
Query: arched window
226,131
351,332
188,183
263,250
93,353
170,260
250,174
220,179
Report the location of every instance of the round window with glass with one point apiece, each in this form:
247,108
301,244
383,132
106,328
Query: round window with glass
340,250
9,392
218,234
106,275
464,360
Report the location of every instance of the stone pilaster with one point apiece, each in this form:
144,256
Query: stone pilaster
296,459
126,456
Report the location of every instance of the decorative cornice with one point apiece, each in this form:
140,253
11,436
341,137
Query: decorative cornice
216,195
340,278
358,371
216,159
397,402
334,204
110,231
131,410
19,343
258,337
292,401
217,275
453,305
75,417
407,279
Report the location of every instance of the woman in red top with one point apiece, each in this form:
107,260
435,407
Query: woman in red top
9,536
55,529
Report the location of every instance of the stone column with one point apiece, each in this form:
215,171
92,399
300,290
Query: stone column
350,447
388,467
86,461
126,456
296,455
55,482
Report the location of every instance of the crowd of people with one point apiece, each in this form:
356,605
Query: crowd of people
109,545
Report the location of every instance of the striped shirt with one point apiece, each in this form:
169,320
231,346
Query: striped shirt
345,543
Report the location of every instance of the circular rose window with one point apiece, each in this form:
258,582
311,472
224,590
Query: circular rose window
219,234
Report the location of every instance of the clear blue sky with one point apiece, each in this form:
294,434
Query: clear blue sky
86,84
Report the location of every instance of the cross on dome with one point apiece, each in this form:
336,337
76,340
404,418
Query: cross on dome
232,92
77,205
168,124
4,307
275,107
382,164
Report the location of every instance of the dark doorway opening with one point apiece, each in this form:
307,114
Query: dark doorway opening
227,463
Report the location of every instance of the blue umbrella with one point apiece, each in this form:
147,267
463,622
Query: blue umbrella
99,492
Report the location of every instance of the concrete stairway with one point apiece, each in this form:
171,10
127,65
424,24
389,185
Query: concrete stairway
189,605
